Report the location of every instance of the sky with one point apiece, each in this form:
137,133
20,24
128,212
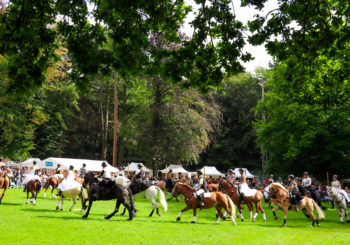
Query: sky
261,57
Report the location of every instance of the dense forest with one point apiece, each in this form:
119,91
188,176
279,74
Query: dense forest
182,99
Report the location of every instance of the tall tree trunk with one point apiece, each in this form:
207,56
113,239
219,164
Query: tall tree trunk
104,122
115,132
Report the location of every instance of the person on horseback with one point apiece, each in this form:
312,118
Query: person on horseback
169,182
121,172
105,174
58,169
82,171
336,184
69,182
307,182
200,188
139,174
242,184
294,194
231,175
31,175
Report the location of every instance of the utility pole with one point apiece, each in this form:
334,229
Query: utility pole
115,132
263,155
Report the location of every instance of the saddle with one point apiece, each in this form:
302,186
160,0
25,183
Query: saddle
139,185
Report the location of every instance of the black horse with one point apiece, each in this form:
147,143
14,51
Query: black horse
108,191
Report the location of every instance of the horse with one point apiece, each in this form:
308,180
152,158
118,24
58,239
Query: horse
151,194
340,203
109,191
280,196
33,186
232,190
72,193
4,183
52,181
213,187
314,194
162,185
215,199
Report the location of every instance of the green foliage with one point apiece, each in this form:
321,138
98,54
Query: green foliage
28,40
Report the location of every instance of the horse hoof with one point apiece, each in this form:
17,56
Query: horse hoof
276,218
61,209
84,217
284,225
70,210
318,225
253,220
193,222
216,223
130,219
159,215
107,217
348,221
341,222
311,226
224,218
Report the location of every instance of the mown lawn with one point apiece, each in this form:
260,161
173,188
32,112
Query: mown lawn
42,224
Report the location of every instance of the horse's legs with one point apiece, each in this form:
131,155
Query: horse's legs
27,197
61,197
194,214
262,211
123,211
347,216
74,199
340,212
58,204
130,210
46,187
218,210
53,188
183,210
88,211
285,211
274,212
250,207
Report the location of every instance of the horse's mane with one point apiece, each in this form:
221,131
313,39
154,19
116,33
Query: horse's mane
187,186
280,186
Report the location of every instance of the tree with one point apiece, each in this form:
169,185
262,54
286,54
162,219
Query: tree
214,49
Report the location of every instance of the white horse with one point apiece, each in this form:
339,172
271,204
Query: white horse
340,203
151,194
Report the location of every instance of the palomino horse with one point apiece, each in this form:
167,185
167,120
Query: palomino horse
52,181
72,194
280,196
340,203
230,189
33,186
4,184
215,199
151,194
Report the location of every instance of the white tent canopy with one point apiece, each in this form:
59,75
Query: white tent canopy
211,171
8,162
29,162
91,165
132,167
247,173
176,169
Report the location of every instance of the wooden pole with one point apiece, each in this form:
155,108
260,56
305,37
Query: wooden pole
128,168
327,179
115,133
204,172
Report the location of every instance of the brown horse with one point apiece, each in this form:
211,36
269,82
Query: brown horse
4,183
281,197
215,199
213,187
33,186
230,189
52,181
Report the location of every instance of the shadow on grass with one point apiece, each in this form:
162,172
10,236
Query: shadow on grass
10,204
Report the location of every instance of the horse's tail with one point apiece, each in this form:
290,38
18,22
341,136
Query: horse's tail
232,206
319,211
83,197
162,199
132,203
38,185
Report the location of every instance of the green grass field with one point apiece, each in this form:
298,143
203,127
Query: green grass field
42,224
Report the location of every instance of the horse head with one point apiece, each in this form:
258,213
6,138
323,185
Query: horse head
89,179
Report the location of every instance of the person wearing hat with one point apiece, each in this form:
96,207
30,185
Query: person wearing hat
307,182
242,184
169,182
231,175
121,172
105,173
82,171
69,181
294,194
336,184
139,174
201,188
58,169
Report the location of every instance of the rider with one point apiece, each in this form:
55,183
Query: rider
31,175
139,174
201,188
105,174
69,182
121,172
242,183
58,169
169,181
307,182
336,184
231,175
294,194
82,171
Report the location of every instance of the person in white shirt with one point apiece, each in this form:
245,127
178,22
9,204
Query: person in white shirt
121,172
69,182
31,175
105,174
306,182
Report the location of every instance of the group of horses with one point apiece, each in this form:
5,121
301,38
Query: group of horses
223,195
